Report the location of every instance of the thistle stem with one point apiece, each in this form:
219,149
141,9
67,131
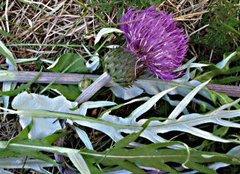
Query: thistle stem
94,87
46,77
232,91
74,78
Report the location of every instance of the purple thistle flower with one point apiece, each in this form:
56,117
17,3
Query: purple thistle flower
153,36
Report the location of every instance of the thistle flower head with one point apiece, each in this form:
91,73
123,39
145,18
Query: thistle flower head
154,38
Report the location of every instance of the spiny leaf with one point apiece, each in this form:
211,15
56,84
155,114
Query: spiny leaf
114,126
153,155
183,104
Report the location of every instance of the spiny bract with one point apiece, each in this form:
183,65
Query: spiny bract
120,65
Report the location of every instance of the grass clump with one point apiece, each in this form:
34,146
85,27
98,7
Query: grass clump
222,33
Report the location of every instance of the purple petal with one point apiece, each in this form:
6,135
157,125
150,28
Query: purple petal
153,36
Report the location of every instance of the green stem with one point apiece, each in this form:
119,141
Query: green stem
217,72
227,80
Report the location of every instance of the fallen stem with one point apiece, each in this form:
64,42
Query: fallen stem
45,78
100,82
74,78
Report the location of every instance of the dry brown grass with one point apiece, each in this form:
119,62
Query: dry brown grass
46,22
72,22
8,129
